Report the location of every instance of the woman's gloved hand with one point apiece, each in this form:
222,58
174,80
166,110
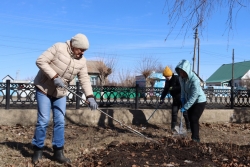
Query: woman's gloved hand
58,82
92,103
183,110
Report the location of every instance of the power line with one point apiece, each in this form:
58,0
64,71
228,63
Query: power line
86,25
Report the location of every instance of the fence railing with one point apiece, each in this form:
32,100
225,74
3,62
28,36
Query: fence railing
22,95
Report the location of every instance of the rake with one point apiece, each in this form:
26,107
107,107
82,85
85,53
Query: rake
179,129
153,112
122,125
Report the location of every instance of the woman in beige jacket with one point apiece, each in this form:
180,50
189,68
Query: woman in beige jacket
58,66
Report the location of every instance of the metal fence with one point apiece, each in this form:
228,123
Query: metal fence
22,95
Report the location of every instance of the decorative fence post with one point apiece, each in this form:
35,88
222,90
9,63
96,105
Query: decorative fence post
7,96
136,96
232,97
78,93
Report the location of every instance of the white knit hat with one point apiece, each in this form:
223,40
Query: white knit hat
80,41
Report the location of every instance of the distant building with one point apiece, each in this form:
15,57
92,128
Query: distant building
223,75
7,77
158,77
159,80
140,80
93,72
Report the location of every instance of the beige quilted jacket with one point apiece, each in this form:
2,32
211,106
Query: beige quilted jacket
59,60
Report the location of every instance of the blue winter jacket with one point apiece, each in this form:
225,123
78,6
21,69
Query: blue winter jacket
190,87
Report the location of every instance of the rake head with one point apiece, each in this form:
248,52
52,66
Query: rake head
180,130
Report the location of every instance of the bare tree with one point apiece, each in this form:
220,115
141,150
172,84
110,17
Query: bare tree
146,66
31,78
105,67
126,78
195,13
160,68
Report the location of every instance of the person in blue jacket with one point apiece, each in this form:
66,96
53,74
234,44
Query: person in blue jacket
192,96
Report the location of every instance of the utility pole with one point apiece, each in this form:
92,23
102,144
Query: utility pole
17,74
195,39
198,66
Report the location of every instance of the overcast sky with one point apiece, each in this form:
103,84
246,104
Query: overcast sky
125,30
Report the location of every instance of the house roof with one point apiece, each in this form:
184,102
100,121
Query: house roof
156,75
224,73
7,76
92,67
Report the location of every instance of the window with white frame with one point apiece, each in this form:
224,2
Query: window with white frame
93,80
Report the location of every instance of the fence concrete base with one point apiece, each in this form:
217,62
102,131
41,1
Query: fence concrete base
127,116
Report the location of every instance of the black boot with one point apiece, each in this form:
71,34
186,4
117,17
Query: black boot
188,127
196,140
173,126
59,156
174,117
38,153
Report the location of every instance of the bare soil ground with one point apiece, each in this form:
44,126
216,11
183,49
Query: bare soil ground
221,145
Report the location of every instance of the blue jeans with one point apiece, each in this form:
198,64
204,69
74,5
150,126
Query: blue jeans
44,105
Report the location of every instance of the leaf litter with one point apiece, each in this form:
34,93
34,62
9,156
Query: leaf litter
224,145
